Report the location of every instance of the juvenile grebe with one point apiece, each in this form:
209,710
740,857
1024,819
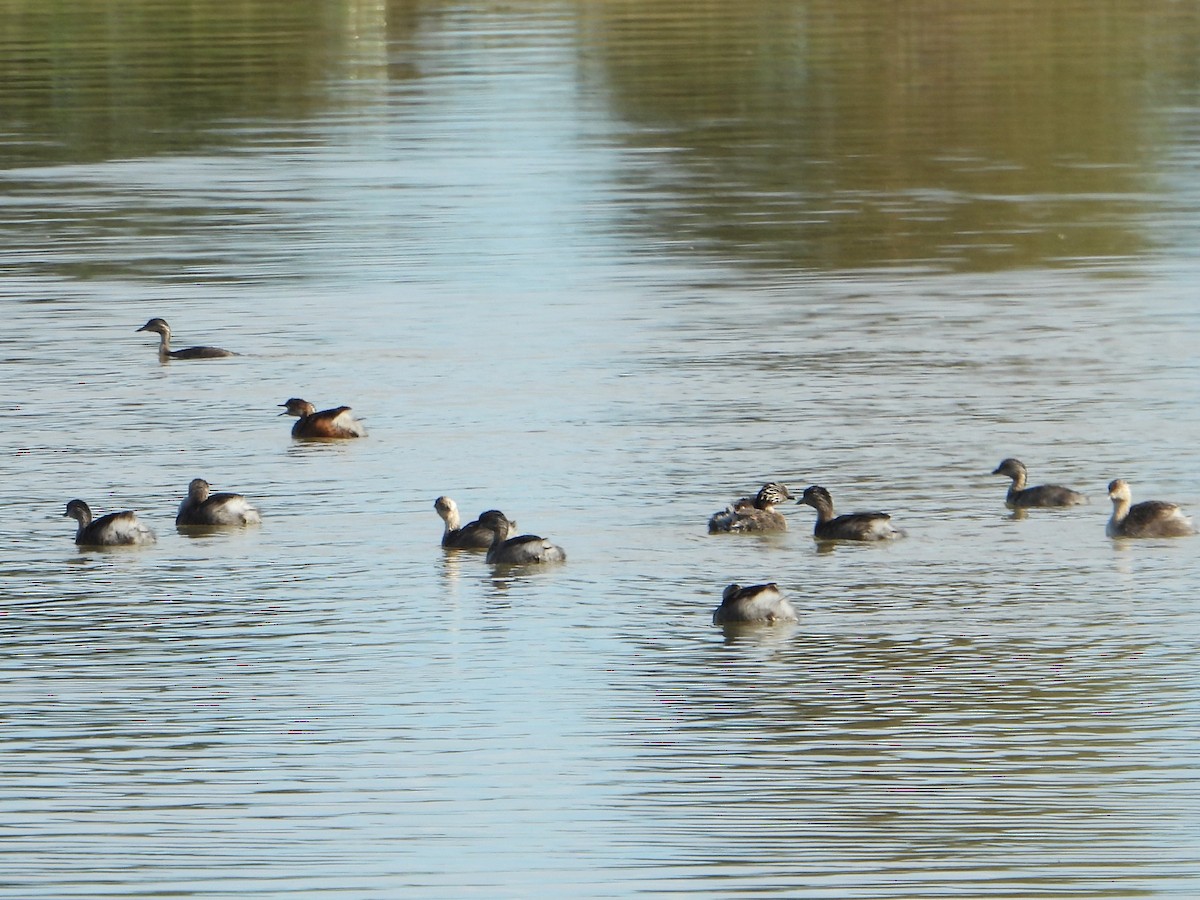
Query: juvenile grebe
1044,495
527,548
114,529
1148,519
163,330
328,423
862,526
201,507
755,513
475,535
757,603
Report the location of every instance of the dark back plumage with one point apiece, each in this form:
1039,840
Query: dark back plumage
1044,495
163,330
1148,519
861,526
112,530
201,507
328,423
521,550
476,535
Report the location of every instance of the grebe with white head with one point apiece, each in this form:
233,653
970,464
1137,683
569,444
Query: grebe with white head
476,535
1148,519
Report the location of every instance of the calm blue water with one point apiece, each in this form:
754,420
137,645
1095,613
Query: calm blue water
606,268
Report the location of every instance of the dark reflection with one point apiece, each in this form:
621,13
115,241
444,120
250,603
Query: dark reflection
758,633
836,135
90,80
214,532
86,83
816,135
959,737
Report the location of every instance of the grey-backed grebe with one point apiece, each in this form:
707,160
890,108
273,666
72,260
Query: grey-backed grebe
112,530
526,548
477,535
202,507
861,526
1148,519
328,423
1043,495
163,330
755,513
757,603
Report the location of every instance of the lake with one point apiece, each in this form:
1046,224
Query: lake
606,267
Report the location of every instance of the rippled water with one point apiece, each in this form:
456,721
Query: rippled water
605,267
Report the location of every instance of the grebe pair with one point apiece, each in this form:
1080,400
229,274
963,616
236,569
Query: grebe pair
491,532
201,507
758,514
1148,519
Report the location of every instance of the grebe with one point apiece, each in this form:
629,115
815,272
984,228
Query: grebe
201,507
163,330
328,423
1044,495
757,603
755,513
527,548
114,529
863,526
474,535
1148,519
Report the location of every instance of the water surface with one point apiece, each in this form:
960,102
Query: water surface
605,267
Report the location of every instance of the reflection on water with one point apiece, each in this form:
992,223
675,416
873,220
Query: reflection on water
874,745
839,135
604,267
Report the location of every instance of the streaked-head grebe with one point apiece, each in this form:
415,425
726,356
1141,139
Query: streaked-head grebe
112,530
202,507
1043,495
163,330
862,526
476,535
328,423
757,513
757,603
526,548
1148,519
